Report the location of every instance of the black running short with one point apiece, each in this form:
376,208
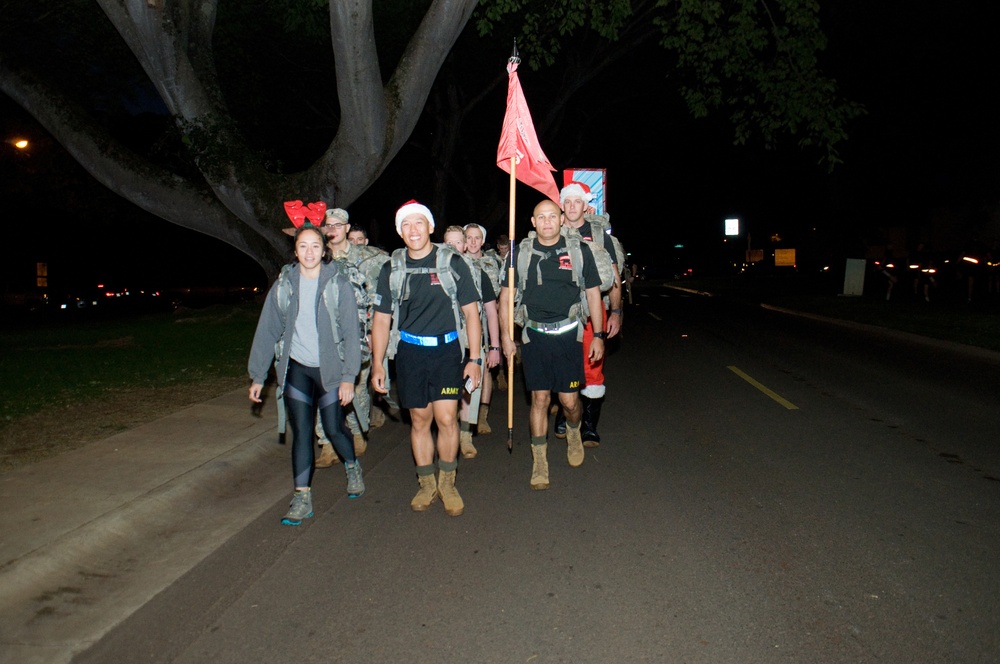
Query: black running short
552,362
425,374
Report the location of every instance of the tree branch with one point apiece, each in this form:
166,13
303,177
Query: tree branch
153,189
174,48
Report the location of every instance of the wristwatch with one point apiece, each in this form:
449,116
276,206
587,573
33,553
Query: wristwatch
494,347
478,361
617,311
600,335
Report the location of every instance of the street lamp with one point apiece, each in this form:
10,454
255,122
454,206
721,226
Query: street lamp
20,143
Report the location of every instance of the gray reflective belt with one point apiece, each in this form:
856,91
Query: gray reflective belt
552,328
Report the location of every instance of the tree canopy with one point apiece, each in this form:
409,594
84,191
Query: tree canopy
232,108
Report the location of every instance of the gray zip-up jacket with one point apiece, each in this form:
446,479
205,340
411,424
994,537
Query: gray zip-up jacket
274,326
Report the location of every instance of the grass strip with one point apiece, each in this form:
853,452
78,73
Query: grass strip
73,362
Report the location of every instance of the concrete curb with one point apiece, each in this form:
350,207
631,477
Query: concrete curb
92,535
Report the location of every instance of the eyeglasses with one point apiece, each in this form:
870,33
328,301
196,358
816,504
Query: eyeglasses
337,226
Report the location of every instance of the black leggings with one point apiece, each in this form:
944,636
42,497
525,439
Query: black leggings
303,394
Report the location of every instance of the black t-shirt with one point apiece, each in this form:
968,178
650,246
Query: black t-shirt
550,302
587,233
427,311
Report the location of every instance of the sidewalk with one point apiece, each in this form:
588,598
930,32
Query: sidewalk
91,535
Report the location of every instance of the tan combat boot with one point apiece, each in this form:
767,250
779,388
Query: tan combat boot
483,428
327,457
453,504
540,467
574,446
469,450
360,444
427,493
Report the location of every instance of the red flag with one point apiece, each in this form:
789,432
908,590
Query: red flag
518,140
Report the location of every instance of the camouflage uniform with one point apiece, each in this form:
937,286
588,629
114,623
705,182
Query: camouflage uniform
361,265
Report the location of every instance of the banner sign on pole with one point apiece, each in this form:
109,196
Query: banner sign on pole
596,179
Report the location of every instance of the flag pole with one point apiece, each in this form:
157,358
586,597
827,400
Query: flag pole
510,308
518,143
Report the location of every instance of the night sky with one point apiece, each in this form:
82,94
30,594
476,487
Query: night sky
928,150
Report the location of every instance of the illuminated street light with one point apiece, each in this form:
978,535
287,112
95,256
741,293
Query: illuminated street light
20,143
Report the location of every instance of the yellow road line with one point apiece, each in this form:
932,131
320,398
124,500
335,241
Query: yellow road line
784,402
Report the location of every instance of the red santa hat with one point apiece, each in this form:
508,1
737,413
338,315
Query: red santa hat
413,207
574,188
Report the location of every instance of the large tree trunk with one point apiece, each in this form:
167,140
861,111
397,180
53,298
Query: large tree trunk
238,201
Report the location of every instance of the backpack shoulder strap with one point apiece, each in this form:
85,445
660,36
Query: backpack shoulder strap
331,299
284,289
579,312
397,274
525,250
602,223
447,277
576,258
449,282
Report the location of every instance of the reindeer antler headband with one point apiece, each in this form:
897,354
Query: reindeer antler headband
312,214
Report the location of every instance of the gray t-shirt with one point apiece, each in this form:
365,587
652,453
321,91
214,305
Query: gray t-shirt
305,339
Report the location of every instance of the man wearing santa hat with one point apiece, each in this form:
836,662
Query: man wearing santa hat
431,368
575,199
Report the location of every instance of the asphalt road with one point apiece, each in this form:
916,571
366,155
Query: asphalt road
770,489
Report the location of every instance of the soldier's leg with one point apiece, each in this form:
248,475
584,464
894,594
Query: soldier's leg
593,392
468,410
559,427
362,403
538,423
486,389
327,456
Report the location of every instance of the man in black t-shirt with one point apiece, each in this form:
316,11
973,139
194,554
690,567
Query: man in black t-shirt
551,356
430,368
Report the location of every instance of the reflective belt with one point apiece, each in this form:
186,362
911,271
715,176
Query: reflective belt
552,328
427,341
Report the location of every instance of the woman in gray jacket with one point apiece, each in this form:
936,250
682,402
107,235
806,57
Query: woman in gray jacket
310,325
